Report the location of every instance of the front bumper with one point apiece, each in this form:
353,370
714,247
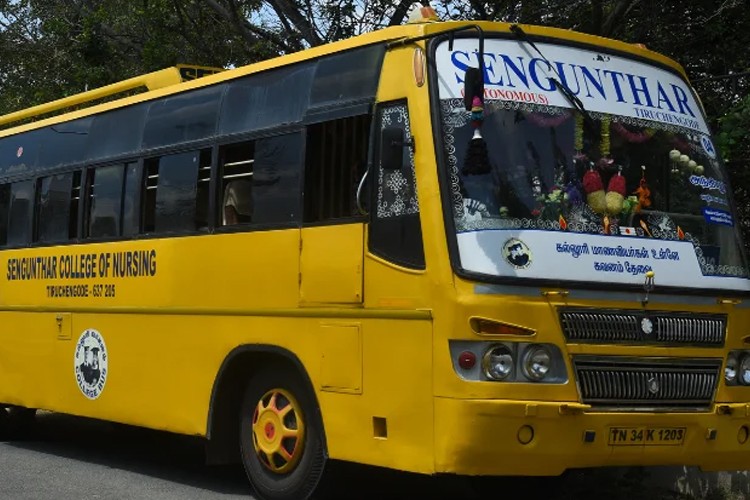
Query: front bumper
481,437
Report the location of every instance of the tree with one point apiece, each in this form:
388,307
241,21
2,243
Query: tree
51,48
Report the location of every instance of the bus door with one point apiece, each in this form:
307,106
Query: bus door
331,262
333,233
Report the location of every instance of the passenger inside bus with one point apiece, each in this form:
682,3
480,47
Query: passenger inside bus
238,202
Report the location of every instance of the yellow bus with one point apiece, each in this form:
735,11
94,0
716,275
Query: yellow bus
463,248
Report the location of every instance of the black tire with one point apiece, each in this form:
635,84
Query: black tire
3,423
273,475
20,422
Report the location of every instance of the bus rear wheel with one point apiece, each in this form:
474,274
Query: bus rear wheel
281,438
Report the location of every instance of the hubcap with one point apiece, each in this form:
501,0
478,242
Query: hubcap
278,431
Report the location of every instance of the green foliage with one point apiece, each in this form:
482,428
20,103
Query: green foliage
732,135
52,48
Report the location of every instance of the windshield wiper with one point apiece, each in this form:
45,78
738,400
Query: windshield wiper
564,89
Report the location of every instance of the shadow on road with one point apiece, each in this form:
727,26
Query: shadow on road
180,459
158,454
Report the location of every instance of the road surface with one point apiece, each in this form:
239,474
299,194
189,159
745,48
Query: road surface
72,458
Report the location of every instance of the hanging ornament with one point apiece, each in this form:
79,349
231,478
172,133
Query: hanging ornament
605,162
594,188
477,160
674,159
616,193
579,132
643,192
644,226
573,192
604,144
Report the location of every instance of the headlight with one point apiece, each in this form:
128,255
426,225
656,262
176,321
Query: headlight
497,363
536,362
730,371
744,374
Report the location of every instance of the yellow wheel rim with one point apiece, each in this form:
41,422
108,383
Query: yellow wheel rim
278,431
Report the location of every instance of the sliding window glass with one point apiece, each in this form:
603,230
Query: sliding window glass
131,203
260,180
19,221
4,209
55,203
174,203
105,208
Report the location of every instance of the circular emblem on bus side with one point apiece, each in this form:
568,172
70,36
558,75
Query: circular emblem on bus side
517,253
90,363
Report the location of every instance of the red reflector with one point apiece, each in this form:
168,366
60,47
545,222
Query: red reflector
467,360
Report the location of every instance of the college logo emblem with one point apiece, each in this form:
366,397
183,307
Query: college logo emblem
517,254
90,363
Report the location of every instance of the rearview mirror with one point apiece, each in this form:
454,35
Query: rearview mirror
473,86
392,148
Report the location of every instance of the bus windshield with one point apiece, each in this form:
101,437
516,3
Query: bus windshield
541,190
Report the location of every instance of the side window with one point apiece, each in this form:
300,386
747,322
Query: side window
237,183
105,201
173,202
57,207
131,202
395,228
4,209
335,162
260,180
19,220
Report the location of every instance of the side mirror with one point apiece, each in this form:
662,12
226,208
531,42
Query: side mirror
392,148
473,86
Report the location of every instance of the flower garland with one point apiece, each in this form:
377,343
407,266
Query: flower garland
542,120
604,145
633,137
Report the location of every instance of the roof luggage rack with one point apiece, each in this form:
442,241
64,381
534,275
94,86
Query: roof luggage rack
151,81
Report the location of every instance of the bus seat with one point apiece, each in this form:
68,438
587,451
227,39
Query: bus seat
238,202
103,226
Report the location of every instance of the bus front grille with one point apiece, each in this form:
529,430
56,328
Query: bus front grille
646,383
643,327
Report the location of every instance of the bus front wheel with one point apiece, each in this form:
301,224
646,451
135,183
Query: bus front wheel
16,422
281,438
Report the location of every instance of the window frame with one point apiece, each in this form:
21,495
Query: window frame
420,263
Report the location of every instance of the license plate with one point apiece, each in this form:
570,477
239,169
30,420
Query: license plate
646,436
